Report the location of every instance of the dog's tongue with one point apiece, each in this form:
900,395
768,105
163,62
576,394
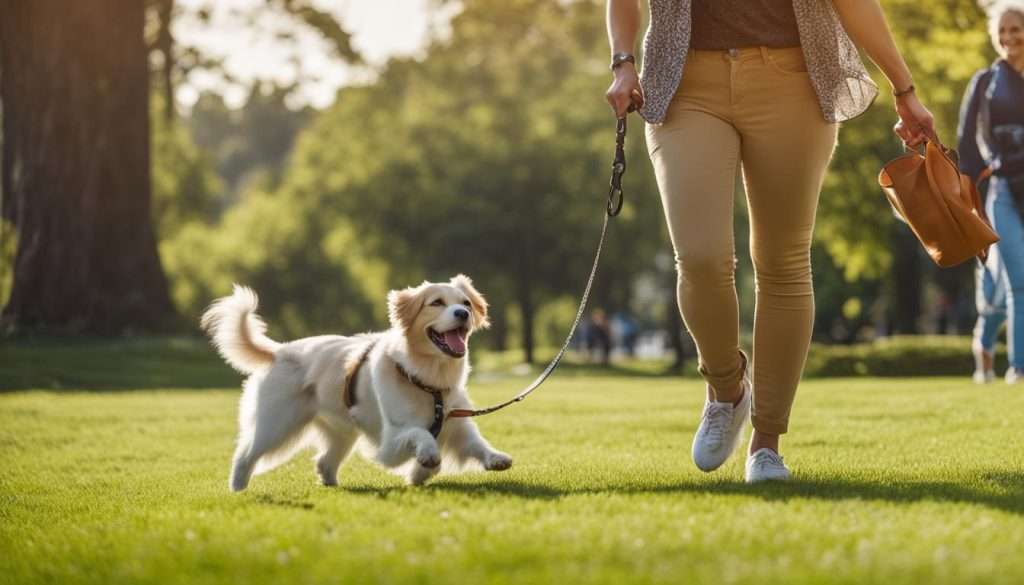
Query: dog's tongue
455,340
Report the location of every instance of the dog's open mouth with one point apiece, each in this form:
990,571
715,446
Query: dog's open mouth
451,342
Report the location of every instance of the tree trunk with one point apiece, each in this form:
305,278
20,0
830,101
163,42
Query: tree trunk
165,45
526,311
956,286
76,110
674,326
907,286
499,331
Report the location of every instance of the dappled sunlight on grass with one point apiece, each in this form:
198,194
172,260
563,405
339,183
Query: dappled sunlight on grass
896,480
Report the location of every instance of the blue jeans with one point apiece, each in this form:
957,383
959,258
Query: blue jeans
1000,281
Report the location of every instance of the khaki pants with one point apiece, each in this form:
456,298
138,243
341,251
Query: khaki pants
756,108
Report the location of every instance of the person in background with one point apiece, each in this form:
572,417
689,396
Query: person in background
991,136
600,336
762,85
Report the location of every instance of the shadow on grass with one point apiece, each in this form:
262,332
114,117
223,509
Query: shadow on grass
1011,484
269,500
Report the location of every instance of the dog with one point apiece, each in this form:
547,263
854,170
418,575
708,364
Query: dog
330,391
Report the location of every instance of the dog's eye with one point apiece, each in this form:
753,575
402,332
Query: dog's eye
437,303
466,303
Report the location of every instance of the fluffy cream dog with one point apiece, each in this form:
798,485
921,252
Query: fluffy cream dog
299,393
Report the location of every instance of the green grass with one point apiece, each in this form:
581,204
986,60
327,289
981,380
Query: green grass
899,481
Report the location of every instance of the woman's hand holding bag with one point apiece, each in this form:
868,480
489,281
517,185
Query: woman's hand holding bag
939,203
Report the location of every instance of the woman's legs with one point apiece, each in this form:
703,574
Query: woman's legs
745,104
786,150
1008,225
990,299
695,156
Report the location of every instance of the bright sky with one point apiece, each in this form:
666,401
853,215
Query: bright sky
250,50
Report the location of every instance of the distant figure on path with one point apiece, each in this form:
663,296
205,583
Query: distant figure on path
600,336
992,136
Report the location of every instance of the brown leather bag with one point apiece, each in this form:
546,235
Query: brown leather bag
940,204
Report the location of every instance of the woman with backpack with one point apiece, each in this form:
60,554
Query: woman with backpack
991,140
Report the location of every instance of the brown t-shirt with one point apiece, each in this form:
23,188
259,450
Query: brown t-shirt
734,24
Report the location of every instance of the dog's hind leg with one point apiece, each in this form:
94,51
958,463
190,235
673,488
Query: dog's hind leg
281,410
241,467
336,442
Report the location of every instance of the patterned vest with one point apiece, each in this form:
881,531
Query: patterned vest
843,86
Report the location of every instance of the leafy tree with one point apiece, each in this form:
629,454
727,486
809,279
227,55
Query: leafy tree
503,177
76,158
311,273
251,142
185,187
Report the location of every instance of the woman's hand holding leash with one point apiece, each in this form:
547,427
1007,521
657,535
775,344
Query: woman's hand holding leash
624,95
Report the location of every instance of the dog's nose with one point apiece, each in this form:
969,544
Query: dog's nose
461,314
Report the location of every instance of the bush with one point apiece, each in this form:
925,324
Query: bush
897,356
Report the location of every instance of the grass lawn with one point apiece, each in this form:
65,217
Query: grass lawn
899,481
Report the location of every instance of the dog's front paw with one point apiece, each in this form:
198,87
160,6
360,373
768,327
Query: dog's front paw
429,458
419,474
497,461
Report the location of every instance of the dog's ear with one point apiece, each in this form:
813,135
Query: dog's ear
403,306
476,300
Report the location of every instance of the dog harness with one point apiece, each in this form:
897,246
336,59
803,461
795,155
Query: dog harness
436,393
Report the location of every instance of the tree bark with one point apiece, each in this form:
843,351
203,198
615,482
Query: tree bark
526,309
165,45
674,326
907,276
76,118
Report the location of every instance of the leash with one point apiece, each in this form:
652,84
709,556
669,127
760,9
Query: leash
613,206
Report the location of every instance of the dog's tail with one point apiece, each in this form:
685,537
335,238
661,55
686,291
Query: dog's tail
238,332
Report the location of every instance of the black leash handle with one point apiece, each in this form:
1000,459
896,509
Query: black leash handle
615,197
613,207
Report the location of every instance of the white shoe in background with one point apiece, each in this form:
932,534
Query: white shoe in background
983,362
1014,376
766,465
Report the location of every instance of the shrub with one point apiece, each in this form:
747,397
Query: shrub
897,356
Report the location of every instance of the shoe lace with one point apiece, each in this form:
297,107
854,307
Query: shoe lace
718,417
767,458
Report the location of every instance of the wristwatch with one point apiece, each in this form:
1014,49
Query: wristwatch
620,58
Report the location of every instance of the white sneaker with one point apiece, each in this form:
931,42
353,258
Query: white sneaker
982,375
1014,376
720,429
766,465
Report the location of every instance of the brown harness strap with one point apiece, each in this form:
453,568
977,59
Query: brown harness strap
416,381
350,380
436,393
